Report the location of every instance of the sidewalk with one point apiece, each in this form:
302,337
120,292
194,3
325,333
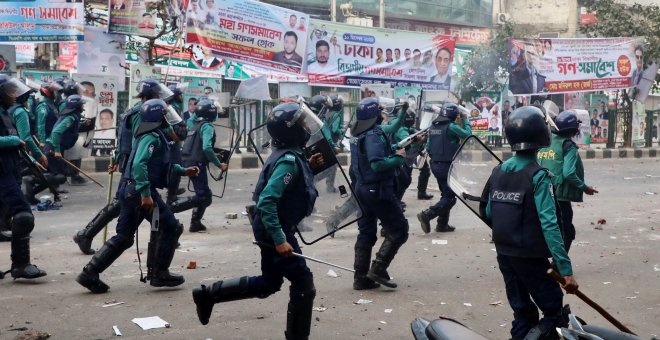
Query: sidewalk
249,160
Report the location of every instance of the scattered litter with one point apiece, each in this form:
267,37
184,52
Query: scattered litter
421,303
650,193
116,329
503,325
231,216
583,243
244,213
383,322
467,304
493,249
438,241
32,335
260,317
598,227
656,268
362,302
613,237
388,311
606,282
319,309
192,265
443,303
331,273
113,304
602,221
496,303
48,205
151,322
631,297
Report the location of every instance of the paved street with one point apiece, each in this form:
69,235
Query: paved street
618,267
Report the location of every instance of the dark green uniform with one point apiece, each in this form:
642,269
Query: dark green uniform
46,117
21,120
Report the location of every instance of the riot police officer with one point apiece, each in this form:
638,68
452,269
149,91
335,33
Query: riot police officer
130,121
47,110
523,216
71,88
198,151
563,160
375,189
285,194
146,170
443,142
181,130
11,197
64,134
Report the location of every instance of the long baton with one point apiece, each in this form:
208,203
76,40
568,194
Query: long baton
105,229
263,244
593,304
82,172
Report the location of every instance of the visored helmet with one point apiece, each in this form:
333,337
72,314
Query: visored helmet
10,89
410,118
70,87
152,116
317,103
206,110
50,90
367,115
337,102
451,111
74,103
153,89
292,124
176,90
527,129
567,123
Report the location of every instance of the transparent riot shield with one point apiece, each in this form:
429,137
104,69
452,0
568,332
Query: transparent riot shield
469,173
226,143
336,207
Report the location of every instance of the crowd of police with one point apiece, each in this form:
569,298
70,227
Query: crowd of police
527,201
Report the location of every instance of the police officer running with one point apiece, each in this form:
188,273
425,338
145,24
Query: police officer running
11,196
147,170
64,134
198,151
524,220
71,88
130,121
285,194
563,160
181,130
443,142
375,170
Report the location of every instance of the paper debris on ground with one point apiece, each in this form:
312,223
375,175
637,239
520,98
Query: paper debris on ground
383,322
656,268
113,304
192,265
467,304
496,303
116,329
332,273
319,309
606,282
438,241
362,302
650,193
151,322
231,216
388,311
631,297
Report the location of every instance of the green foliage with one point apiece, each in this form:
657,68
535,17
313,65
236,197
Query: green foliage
487,64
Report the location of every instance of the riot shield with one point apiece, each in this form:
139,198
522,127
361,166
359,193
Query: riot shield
336,206
225,146
469,172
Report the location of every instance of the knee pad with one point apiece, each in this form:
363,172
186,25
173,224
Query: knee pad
207,200
304,290
22,224
121,242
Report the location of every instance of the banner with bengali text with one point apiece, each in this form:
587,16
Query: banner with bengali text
346,55
250,32
45,21
541,66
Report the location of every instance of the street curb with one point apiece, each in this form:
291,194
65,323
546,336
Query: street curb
249,160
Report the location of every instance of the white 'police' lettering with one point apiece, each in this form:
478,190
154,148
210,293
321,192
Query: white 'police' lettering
503,196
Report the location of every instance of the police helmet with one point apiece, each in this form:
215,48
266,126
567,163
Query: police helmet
318,102
10,89
152,116
451,111
175,90
527,129
409,119
337,102
50,90
74,103
153,89
70,87
367,115
567,123
291,125
206,110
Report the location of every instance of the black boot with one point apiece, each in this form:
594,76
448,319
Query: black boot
220,291
182,204
196,224
423,195
384,257
166,248
299,318
89,277
425,218
443,221
83,238
361,266
173,189
21,268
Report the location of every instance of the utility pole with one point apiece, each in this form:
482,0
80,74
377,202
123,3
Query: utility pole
333,10
381,15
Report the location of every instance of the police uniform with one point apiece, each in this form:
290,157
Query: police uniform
181,131
563,160
63,137
147,169
443,142
285,194
46,118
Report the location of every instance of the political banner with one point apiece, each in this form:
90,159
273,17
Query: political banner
598,118
8,59
197,87
101,54
47,21
346,55
68,56
43,76
638,123
135,17
137,73
102,89
25,53
406,93
485,118
583,138
251,32
542,66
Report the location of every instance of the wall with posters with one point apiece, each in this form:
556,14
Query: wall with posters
570,65
68,56
485,118
102,89
135,17
339,55
598,118
25,53
252,32
43,76
8,59
45,21
100,54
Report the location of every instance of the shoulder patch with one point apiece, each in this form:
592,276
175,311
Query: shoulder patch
151,148
287,178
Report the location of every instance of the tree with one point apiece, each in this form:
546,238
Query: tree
616,19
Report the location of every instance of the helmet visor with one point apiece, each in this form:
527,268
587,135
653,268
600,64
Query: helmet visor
14,88
306,119
33,85
164,93
172,116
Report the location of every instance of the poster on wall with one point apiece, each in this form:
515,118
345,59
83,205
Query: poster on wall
376,90
346,55
46,21
25,53
102,89
638,123
485,118
409,93
43,76
100,54
134,17
195,87
8,59
541,66
583,138
251,32
68,56
598,119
